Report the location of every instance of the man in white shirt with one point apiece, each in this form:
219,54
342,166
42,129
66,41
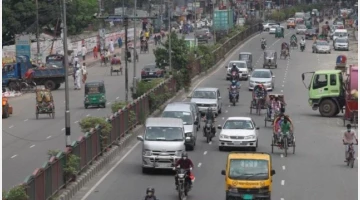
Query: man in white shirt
349,137
83,52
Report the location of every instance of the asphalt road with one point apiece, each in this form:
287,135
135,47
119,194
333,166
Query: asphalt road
316,171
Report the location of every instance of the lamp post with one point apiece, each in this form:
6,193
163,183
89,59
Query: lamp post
135,53
169,13
37,32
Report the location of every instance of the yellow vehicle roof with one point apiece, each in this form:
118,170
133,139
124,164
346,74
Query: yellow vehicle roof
250,155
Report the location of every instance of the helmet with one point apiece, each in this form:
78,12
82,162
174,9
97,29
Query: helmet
184,155
150,191
234,65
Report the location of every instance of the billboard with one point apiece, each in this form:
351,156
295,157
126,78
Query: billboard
22,46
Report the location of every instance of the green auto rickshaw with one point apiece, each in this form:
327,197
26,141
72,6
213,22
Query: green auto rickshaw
95,95
279,32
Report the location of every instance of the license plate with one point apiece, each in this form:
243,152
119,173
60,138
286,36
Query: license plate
162,165
247,197
237,142
94,99
151,73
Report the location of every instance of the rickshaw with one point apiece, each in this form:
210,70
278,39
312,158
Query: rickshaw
271,117
283,141
285,51
44,103
279,32
144,47
270,58
247,56
257,102
115,66
95,94
293,41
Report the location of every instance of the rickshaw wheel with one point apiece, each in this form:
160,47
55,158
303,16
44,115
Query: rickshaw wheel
53,115
272,143
265,120
37,116
251,107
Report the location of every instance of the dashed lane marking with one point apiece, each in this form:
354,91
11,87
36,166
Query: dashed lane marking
14,156
32,146
48,137
282,85
87,115
282,199
226,111
210,143
108,103
223,118
281,91
26,120
282,182
98,109
199,165
205,152
281,155
117,98
76,122
63,129
283,167
12,126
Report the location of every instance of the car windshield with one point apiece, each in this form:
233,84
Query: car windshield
185,116
250,169
149,68
301,27
238,64
54,63
239,124
274,26
322,43
339,34
299,15
261,74
164,134
341,40
204,95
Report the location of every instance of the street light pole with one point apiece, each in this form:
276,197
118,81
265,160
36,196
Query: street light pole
66,63
125,22
135,37
169,24
37,31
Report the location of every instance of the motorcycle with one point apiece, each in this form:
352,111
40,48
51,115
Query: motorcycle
183,180
351,156
208,130
234,76
263,46
234,95
302,47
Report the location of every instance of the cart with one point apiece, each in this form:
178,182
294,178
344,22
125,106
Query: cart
44,103
115,66
258,102
271,116
283,141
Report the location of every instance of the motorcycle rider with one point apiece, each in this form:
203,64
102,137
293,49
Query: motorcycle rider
235,69
234,84
263,42
302,42
348,138
285,126
150,194
184,163
209,115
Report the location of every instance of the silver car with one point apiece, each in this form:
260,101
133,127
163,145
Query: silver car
184,112
262,76
301,29
206,98
238,132
341,44
321,46
163,143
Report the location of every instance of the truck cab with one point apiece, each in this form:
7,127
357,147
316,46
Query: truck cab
326,91
12,72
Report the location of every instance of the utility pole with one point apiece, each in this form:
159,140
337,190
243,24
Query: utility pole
37,32
135,53
66,64
213,18
102,35
169,24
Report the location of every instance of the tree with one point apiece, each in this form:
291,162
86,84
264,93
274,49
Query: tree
179,53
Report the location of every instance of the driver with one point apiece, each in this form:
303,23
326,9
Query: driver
302,41
150,194
234,84
209,115
285,126
184,163
263,41
348,138
260,91
234,68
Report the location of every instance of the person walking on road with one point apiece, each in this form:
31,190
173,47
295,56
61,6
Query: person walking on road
83,52
84,72
120,42
111,46
77,78
95,52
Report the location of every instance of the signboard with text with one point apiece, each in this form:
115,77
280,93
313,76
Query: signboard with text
22,46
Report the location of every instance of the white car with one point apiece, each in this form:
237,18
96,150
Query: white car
272,29
241,65
267,26
238,132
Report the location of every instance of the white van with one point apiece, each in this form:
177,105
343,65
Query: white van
340,33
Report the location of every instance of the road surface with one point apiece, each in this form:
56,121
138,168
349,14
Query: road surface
316,171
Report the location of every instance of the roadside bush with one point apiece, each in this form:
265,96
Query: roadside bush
16,193
144,86
87,123
71,168
118,105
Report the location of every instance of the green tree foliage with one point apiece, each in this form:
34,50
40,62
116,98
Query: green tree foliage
145,86
118,105
16,193
179,53
19,16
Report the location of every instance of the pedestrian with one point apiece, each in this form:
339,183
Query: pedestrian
77,79
76,61
83,52
111,46
120,42
84,72
95,52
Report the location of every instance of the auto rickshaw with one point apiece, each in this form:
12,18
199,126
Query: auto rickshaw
279,32
247,56
95,95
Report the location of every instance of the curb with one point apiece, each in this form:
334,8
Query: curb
108,157
98,165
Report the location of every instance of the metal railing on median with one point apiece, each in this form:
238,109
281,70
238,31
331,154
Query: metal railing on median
50,178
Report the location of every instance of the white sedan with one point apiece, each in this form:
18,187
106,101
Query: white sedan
272,29
238,132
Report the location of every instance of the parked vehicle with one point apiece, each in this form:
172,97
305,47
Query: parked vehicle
151,71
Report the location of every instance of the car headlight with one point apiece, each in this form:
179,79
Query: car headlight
224,136
147,153
249,137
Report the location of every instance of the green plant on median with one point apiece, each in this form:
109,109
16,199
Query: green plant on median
144,86
206,52
132,117
156,100
15,193
118,105
87,123
283,14
52,153
72,165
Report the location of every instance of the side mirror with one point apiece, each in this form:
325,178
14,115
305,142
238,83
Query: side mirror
196,123
223,172
140,138
257,128
272,172
219,127
302,76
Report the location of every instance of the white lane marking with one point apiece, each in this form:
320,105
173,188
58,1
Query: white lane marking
110,171
282,182
281,155
63,129
283,167
117,98
281,91
108,103
229,106
223,118
32,146
13,156
26,120
98,109
282,85
199,165
184,99
76,122
226,111
11,126
282,199
48,137
210,143
87,115
205,152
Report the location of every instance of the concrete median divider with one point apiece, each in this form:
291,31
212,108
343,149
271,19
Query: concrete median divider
51,180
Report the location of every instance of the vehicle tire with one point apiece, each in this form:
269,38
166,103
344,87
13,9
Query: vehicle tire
275,66
221,148
145,170
104,105
6,112
37,116
13,86
263,66
49,84
352,163
57,86
86,106
328,108
219,111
